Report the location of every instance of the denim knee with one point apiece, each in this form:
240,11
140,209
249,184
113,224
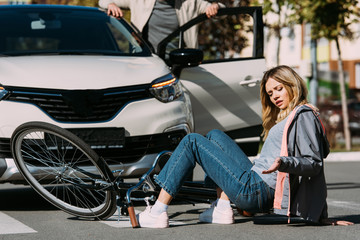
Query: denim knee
191,136
213,133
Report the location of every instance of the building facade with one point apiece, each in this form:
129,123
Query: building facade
295,51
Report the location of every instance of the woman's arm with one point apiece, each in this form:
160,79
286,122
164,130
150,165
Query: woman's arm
305,144
304,141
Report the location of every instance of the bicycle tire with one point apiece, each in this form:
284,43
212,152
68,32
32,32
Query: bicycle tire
63,169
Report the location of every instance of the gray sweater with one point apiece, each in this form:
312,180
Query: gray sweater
269,152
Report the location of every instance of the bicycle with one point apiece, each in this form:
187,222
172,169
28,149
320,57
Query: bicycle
68,173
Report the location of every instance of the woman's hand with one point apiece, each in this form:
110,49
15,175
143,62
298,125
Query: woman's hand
334,222
212,10
274,167
114,10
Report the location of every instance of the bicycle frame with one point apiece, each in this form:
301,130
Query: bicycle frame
116,184
83,183
146,184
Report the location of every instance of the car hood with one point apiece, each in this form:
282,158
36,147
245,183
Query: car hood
79,72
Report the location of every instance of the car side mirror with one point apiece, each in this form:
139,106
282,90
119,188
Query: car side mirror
186,57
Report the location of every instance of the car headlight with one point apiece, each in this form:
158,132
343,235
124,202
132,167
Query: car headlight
166,88
3,92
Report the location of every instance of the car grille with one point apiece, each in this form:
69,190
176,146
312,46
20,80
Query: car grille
139,146
80,105
5,151
134,148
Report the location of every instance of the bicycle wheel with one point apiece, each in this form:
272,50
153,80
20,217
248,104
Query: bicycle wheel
64,170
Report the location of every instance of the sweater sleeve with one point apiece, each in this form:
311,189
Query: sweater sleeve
203,4
119,3
305,157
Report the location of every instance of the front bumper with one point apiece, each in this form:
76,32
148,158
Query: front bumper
150,127
129,170
134,159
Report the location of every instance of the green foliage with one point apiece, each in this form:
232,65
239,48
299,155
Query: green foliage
277,14
234,3
89,3
328,18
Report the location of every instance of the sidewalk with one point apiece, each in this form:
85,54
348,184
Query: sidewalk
335,157
343,157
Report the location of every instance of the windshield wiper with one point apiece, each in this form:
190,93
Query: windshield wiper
70,52
52,53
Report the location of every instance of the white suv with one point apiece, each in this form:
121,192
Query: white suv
82,70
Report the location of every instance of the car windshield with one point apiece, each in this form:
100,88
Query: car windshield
41,31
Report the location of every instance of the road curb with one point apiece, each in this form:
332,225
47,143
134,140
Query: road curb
343,157
334,157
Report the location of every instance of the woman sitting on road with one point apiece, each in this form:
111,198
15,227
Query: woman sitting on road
290,163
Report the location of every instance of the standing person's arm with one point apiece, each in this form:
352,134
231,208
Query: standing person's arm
210,9
114,6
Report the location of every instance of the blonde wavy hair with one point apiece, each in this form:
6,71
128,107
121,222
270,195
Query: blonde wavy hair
296,89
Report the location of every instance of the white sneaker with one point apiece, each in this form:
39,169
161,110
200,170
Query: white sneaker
214,215
148,220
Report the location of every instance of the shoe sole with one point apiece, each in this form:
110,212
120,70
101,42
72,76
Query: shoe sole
210,220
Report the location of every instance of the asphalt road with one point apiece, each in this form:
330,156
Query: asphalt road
24,215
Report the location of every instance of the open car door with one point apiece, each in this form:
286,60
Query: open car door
225,87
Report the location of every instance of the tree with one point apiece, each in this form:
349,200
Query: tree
332,20
89,3
279,10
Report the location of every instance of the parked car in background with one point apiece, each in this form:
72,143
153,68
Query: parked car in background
332,115
82,70
354,117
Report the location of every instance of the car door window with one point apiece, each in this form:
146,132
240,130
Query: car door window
233,37
233,33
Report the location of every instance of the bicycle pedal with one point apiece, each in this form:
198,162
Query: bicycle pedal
124,211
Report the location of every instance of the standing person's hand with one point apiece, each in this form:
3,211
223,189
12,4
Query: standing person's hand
212,10
275,166
114,10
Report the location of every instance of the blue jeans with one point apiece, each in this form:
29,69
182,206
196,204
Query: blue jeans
225,163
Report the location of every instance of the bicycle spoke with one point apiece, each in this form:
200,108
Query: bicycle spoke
64,170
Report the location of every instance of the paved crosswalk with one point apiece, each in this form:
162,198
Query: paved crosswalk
343,204
9,225
124,221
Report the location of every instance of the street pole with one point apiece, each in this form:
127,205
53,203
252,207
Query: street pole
313,80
